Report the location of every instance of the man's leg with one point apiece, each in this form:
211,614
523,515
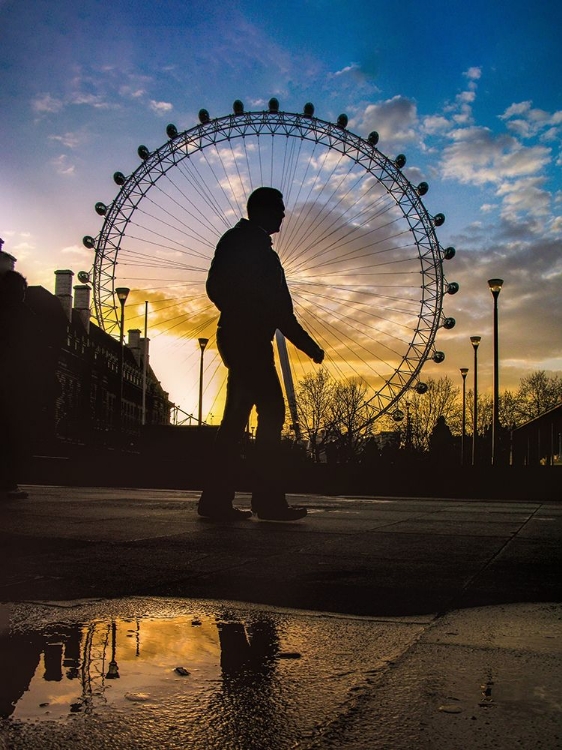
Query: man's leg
268,496
219,491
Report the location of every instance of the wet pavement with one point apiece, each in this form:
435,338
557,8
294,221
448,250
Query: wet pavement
128,622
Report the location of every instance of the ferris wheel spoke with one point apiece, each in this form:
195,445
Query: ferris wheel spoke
349,323
197,217
348,233
195,179
297,219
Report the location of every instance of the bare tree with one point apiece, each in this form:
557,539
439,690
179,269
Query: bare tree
315,401
423,410
352,417
537,393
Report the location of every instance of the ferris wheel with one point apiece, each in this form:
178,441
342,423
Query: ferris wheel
359,248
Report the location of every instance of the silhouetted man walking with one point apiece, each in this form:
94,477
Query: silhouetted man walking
247,283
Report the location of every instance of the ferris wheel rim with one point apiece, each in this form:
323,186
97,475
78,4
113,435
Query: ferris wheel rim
154,165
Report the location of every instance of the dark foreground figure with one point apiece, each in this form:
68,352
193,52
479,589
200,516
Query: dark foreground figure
28,384
247,283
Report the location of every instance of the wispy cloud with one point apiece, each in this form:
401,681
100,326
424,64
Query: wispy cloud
70,140
45,103
160,108
63,166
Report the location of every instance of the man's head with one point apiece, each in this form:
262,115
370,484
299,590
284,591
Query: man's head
266,208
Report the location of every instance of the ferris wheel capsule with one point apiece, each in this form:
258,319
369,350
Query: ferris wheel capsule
439,219
204,116
143,152
273,105
238,107
342,121
421,388
373,138
449,323
88,242
439,357
449,253
422,188
119,178
452,287
400,161
308,109
171,131
100,208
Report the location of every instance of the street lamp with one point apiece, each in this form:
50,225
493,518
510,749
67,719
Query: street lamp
464,372
475,341
495,287
202,344
122,293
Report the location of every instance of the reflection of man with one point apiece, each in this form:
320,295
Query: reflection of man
247,284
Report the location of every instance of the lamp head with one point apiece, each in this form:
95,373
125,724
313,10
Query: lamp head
495,286
203,343
464,372
122,293
475,341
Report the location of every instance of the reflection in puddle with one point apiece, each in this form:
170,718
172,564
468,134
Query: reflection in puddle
200,672
80,667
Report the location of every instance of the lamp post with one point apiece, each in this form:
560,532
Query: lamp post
464,372
475,341
122,293
113,668
202,344
495,287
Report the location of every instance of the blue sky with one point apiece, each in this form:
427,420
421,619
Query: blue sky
470,92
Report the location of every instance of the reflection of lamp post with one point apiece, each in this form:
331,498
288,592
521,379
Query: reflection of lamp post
495,287
122,293
202,344
113,669
475,341
464,372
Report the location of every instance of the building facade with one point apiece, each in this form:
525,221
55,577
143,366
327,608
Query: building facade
87,400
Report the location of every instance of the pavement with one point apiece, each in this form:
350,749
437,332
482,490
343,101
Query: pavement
374,623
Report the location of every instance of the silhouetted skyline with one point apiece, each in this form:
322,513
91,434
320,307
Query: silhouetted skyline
469,95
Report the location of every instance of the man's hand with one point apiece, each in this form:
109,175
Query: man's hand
318,356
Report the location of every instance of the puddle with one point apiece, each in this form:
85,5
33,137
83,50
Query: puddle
183,671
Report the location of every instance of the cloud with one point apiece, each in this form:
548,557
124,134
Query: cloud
45,103
473,74
70,140
78,250
527,122
526,194
62,165
480,157
160,108
395,120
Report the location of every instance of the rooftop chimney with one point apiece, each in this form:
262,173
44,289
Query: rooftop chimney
63,291
82,304
134,344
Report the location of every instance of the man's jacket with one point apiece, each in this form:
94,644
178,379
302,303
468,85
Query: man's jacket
247,283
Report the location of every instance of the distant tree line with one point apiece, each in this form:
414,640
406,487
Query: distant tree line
338,423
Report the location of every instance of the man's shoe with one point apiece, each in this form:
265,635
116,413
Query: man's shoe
224,514
283,513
